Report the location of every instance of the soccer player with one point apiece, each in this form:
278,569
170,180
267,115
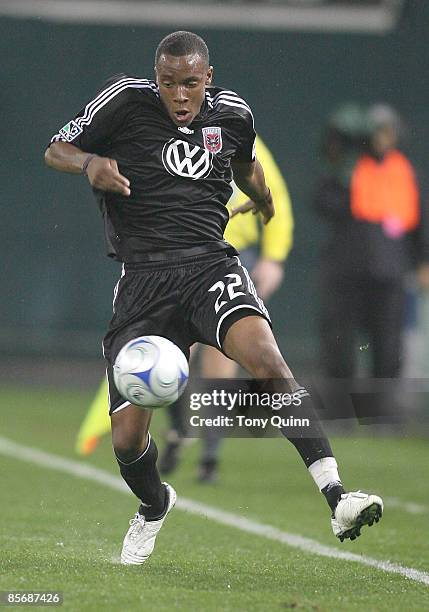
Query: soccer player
263,250
160,156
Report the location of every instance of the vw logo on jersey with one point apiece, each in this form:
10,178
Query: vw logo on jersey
187,160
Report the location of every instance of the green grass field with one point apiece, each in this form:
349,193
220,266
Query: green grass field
62,532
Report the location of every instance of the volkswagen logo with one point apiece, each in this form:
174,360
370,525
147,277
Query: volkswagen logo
181,158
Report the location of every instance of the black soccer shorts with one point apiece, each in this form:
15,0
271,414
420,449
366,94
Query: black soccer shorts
192,300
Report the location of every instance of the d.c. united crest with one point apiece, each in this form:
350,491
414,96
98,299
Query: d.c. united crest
212,138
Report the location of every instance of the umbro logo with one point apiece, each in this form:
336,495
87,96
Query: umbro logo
185,130
183,159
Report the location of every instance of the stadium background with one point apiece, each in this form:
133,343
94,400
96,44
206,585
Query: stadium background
56,282
62,520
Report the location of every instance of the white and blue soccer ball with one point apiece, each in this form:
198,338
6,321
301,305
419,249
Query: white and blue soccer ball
151,371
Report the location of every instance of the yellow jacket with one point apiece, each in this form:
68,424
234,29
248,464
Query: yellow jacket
275,238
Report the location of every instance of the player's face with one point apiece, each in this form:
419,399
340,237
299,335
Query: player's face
182,82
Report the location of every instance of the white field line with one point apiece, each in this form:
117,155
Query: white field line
88,472
410,507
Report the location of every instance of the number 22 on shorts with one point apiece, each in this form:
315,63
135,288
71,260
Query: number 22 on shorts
230,288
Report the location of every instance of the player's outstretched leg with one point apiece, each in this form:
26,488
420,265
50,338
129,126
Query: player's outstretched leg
250,342
136,453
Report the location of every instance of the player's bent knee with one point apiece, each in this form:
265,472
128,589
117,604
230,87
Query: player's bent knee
130,429
129,443
128,448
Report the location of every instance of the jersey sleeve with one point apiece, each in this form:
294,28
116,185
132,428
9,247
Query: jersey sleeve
274,239
93,127
244,130
245,151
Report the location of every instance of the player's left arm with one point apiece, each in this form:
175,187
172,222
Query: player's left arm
250,178
277,236
248,172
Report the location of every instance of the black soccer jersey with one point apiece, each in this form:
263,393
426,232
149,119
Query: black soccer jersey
179,176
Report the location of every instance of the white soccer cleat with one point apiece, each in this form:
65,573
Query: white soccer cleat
140,538
354,510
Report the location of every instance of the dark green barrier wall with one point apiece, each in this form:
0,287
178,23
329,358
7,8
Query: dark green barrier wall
56,282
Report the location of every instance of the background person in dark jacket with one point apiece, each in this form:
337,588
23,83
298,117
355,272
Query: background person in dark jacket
370,198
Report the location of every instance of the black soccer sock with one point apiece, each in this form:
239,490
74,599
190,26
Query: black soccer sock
142,476
332,493
310,441
315,449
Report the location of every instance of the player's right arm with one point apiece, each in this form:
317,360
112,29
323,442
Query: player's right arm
102,172
81,145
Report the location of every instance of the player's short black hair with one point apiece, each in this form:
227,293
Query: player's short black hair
182,43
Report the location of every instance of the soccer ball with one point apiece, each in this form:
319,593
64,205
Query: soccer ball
151,372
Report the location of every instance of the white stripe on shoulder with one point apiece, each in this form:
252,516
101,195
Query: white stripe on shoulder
232,99
80,122
209,99
107,94
226,91
230,95
246,108
233,103
108,91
